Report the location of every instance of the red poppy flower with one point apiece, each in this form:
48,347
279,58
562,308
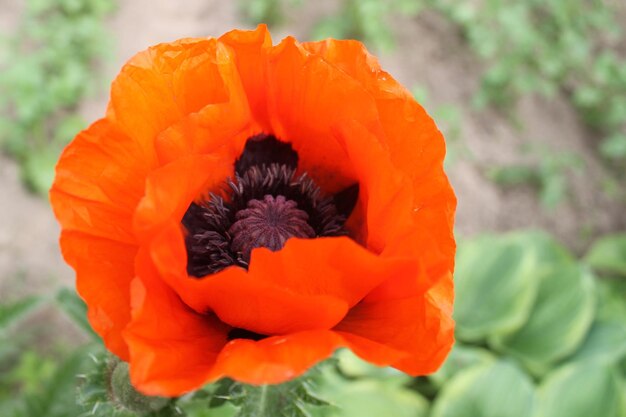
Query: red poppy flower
245,209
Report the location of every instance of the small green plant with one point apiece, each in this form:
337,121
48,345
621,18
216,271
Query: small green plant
546,47
449,119
366,20
550,175
271,12
60,45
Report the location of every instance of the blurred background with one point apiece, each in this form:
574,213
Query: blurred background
531,97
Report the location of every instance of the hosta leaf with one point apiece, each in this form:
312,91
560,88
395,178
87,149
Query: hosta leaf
582,389
605,342
461,357
369,397
558,322
608,254
496,281
499,389
352,366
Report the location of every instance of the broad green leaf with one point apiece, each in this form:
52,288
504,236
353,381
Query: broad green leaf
497,279
499,389
558,322
352,366
76,309
11,312
461,357
611,299
605,342
608,255
368,397
582,389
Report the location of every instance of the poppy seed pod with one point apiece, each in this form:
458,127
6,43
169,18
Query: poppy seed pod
244,209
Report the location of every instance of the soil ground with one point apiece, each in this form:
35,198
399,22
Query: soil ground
430,53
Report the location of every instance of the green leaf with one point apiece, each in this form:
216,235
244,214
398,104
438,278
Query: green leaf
605,342
614,147
291,399
369,397
559,320
498,389
612,299
461,357
582,389
513,175
38,169
12,312
353,367
57,398
496,282
76,309
608,255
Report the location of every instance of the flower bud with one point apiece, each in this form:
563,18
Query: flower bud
125,396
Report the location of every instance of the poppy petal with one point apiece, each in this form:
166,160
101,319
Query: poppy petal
275,359
104,269
385,193
421,327
415,143
99,197
338,267
226,124
300,111
172,348
247,300
172,188
161,85
250,58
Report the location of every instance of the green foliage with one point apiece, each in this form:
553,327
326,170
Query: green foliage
76,309
544,47
12,312
271,12
581,390
561,346
367,20
498,389
550,175
368,392
60,44
608,255
291,399
487,304
448,118
558,322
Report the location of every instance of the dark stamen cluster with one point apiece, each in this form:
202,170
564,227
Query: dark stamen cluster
265,204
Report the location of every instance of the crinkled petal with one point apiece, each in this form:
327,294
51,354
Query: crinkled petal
98,183
247,300
219,128
275,359
104,269
172,348
307,99
419,326
160,86
338,267
172,188
250,57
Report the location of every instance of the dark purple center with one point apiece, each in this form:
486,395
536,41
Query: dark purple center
264,205
268,223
